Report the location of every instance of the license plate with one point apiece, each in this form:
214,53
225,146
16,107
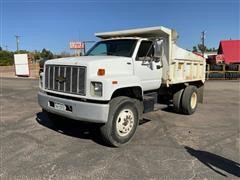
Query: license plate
60,106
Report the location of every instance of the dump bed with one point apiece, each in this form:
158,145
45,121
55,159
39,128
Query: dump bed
179,65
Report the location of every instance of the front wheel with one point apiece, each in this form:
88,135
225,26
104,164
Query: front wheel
122,121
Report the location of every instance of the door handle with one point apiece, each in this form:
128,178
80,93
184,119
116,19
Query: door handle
129,63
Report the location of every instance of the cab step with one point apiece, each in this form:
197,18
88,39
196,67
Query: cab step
150,102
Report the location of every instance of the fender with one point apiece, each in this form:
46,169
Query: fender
113,83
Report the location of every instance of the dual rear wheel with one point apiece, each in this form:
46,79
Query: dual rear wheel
186,100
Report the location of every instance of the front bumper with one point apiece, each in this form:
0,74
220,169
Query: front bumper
84,111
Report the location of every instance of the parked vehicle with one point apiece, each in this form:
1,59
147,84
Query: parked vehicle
121,77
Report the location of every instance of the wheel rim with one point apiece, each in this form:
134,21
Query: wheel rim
125,122
193,100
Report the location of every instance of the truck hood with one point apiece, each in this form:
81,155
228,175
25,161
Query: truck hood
113,65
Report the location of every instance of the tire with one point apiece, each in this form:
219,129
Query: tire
122,121
189,100
177,101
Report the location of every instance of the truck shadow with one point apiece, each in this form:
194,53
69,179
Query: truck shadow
168,109
72,128
215,162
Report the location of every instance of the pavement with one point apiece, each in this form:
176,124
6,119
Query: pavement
204,145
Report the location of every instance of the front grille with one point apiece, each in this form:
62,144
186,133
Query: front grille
67,79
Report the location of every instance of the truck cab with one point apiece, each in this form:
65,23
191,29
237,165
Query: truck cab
121,77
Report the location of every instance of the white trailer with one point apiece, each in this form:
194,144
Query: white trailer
120,78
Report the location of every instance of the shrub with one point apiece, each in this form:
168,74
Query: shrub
6,58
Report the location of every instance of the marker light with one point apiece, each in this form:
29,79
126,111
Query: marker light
101,72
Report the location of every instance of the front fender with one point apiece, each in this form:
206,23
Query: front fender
112,83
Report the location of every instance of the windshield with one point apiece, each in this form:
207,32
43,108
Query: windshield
120,47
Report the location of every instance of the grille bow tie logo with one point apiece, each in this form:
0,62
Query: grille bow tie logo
60,79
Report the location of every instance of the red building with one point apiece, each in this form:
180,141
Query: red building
229,51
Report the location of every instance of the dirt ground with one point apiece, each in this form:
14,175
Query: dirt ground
9,71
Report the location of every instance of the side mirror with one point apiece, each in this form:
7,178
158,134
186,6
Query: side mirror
158,48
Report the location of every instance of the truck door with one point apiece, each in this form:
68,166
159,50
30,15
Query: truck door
146,68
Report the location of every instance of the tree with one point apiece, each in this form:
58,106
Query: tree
0,48
6,58
22,52
211,50
37,55
202,48
195,49
46,54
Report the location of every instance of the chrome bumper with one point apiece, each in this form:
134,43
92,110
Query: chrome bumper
78,110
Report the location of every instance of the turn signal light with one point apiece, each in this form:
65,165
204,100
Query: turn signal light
101,72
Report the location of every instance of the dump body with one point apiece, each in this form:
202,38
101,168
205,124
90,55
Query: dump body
179,65
185,66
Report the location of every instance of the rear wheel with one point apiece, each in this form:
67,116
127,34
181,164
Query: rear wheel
189,100
177,101
122,121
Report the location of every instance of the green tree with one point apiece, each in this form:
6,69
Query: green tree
22,52
6,58
0,48
37,55
195,49
46,54
202,48
211,50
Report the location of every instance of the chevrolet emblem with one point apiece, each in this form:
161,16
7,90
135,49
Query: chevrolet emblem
60,79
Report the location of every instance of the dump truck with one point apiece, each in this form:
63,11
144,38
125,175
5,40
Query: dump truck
124,75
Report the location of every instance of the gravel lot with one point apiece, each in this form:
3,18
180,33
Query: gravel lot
204,145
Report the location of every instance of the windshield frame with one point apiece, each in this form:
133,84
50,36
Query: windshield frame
131,52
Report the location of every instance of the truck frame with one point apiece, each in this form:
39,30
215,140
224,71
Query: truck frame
121,77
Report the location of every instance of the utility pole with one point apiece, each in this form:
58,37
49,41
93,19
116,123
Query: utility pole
6,47
203,41
17,42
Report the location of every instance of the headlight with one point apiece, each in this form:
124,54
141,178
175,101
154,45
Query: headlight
96,88
41,80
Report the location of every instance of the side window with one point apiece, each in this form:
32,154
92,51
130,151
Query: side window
146,49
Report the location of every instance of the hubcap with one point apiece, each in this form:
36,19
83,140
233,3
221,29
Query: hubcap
193,100
125,121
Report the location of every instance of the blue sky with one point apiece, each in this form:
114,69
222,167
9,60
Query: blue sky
52,24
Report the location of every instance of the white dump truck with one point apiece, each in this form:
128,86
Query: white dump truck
121,77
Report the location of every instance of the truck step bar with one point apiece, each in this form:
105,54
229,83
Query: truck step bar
149,100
